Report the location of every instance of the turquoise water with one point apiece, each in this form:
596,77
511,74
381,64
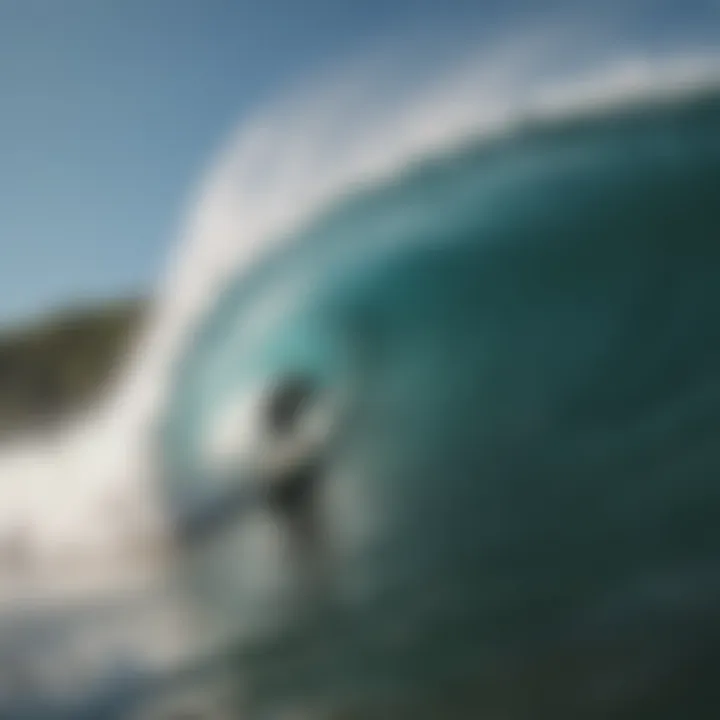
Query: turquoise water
520,516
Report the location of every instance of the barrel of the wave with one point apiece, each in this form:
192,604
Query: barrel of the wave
454,451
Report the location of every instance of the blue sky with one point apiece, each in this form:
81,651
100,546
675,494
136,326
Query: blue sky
111,109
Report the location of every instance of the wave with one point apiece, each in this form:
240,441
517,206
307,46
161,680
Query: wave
539,434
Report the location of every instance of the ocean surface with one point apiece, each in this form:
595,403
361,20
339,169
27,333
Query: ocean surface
523,517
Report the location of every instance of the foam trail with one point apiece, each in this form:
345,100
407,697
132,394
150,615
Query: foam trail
283,166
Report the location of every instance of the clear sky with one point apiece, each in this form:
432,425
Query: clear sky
111,109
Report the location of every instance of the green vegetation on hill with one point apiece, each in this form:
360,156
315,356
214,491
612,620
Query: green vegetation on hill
53,367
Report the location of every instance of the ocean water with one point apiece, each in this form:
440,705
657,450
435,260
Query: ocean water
516,506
